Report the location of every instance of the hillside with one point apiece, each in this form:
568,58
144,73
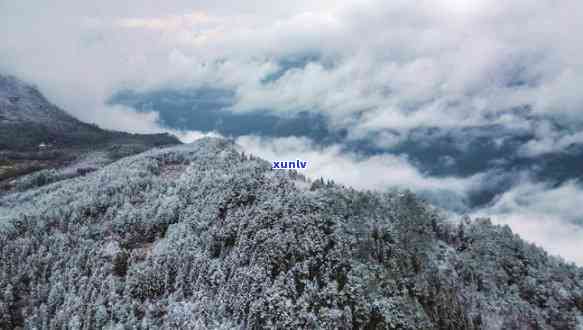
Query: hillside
28,119
35,134
201,236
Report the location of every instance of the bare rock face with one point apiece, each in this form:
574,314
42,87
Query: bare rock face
201,236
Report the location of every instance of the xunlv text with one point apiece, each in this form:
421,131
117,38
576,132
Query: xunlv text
279,165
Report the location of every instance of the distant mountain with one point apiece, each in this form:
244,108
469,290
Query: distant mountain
27,119
202,236
35,134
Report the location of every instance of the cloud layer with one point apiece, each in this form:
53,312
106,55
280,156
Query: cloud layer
353,170
541,213
384,71
545,215
373,66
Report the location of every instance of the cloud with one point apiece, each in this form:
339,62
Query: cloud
539,212
549,139
379,69
545,215
170,23
402,64
191,136
379,172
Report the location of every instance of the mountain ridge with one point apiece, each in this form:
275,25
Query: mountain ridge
24,109
202,236
37,135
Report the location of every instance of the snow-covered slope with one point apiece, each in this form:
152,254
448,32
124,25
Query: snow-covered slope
36,135
201,236
28,119
23,104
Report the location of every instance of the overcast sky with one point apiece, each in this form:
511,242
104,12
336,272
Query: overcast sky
445,63
376,68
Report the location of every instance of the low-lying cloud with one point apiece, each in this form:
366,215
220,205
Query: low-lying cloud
545,215
541,213
378,70
371,66
380,172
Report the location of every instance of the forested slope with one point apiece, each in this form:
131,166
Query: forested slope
37,135
201,236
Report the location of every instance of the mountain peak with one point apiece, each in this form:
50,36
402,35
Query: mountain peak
12,86
27,119
35,134
201,236
23,105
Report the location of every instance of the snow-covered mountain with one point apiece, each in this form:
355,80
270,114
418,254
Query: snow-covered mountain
28,119
202,236
37,135
21,103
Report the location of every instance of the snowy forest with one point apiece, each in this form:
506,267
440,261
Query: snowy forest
203,236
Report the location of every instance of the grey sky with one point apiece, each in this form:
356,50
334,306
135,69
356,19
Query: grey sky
446,63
